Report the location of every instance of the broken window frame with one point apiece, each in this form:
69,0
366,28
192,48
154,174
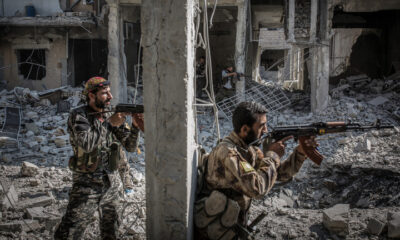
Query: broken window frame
34,63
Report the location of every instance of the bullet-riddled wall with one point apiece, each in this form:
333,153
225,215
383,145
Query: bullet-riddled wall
13,49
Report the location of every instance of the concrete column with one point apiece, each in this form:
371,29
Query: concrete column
240,49
291,21
116,64
256,64
320,64
320,79
168,73
313,22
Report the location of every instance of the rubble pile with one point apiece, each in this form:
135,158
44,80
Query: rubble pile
35,177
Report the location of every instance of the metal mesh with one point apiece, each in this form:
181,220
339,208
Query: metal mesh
267,94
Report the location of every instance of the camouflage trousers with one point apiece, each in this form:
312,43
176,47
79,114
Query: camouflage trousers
124,171
224,93
88,195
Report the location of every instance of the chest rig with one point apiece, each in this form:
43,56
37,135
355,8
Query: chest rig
105,156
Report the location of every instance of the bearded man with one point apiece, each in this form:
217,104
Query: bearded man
96,136
235,172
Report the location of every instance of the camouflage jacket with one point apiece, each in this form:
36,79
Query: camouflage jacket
243,172
91,136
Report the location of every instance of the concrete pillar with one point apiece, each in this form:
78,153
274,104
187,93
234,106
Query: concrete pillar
320,79
116,58
313,22
168,73
291,21
320,63
240,47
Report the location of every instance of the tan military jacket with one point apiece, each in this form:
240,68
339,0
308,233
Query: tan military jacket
244,172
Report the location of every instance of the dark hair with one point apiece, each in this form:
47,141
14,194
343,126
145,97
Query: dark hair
95,90
246,114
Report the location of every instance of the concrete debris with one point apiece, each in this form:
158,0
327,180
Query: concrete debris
42,201
25,95
378,101
39,213
31,126
20,226
7,142
394,225
376,226
336,219
8,195
29,169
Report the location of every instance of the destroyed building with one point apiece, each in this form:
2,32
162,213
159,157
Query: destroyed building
306,60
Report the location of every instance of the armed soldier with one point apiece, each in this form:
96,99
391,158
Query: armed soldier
235,173
96,139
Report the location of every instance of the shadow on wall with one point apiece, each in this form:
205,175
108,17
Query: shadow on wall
367,56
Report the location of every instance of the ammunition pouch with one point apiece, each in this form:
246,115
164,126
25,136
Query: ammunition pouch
217,216
115,156
83,162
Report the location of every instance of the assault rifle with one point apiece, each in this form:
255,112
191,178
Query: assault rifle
250,231
126,108
301,132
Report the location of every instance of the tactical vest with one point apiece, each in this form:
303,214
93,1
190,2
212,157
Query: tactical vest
215,215
82,162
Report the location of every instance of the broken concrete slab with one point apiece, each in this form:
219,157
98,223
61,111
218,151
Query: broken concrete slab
35,202
336,219
35,213
20,226
29,169
378,101
375,226
7,142
31,126
8,195
39,213
393,225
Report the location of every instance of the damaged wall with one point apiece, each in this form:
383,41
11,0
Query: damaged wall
341,45
42,7
55,58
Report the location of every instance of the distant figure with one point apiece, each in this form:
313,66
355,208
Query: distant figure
229,78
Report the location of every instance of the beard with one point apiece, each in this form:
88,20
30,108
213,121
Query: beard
251,137
101,104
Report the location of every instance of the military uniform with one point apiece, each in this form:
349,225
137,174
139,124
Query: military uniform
241,173
96,181
124,171
228,86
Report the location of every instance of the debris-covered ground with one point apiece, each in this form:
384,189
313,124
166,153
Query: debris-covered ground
359,177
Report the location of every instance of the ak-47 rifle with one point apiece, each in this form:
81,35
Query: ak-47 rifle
250,231
124,107
301,132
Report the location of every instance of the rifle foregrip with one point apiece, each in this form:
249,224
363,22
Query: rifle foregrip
335,124
311,152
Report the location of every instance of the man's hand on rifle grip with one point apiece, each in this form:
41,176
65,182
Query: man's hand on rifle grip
279,146
309,142
117,119
138,121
